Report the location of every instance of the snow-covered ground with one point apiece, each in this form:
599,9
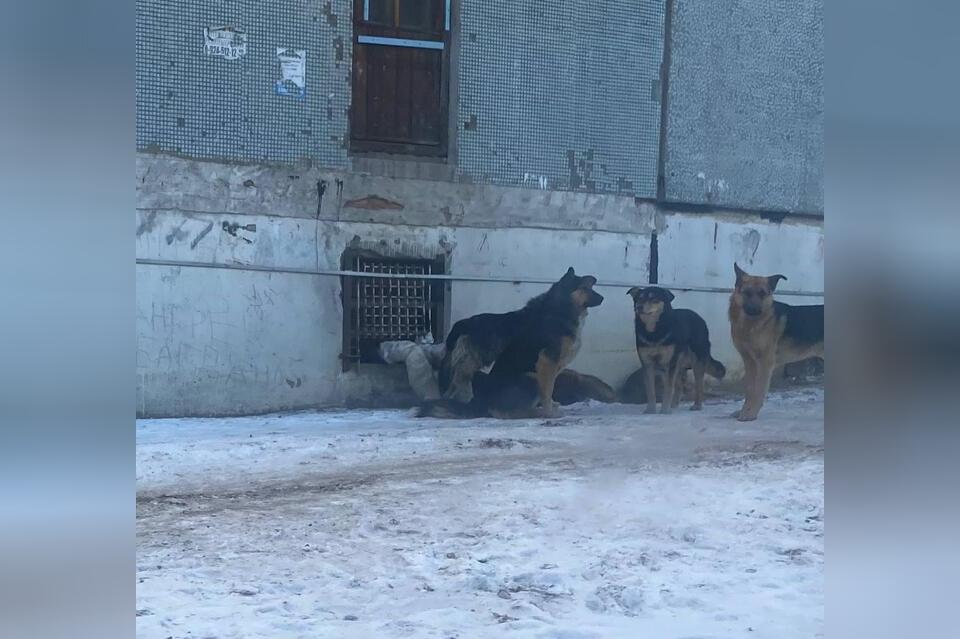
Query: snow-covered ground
602,523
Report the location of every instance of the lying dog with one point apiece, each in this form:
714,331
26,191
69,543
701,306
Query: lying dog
768,334
634,389
572,387
530,348
669,341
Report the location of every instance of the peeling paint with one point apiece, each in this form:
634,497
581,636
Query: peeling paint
233,227
541,180
746,244
148,223
329,15
713,188
202,234
373,202
575,180
177,234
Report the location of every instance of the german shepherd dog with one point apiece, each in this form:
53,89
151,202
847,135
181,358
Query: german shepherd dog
476,342
528,347
572,387
669,341
768,334
634,389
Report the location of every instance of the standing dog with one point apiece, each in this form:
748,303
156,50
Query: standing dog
669,341
530,347
768,334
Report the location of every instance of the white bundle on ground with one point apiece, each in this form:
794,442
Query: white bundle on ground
434,353
420,360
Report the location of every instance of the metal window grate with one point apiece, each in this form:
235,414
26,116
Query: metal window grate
386,309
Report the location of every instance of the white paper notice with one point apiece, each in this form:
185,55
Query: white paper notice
293,72
226,42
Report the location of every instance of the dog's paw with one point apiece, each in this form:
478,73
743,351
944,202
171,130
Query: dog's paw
665,410
650,410
696,407
746,417
548,411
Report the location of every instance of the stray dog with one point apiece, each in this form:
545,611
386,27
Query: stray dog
474,343
634,390
529,348
572,387
768,334
669,341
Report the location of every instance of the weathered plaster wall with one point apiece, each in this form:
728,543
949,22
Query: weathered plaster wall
699,250
745,106
215,341
230,341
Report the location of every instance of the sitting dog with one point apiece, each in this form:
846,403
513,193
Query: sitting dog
531,347
768,334
669,341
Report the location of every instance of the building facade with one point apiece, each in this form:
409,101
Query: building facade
467,152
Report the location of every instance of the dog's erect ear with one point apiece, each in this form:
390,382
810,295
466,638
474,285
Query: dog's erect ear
774,279
668,295
739,271
568,275
589,280
634,291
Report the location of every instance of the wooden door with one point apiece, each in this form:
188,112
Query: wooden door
400,67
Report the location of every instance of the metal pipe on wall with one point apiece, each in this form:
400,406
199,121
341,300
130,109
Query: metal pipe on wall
453,278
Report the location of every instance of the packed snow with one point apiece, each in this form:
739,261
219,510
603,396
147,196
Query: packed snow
601,523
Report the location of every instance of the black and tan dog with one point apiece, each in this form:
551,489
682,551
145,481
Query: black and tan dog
634,389
768,334
529,348
670,341
474,343
572,387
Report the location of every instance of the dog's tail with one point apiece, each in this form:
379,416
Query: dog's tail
702,352
450,409
715,368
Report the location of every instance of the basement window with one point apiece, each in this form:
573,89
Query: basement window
382,309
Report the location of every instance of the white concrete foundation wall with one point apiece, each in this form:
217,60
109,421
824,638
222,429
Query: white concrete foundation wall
213,341
699,250
218,341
